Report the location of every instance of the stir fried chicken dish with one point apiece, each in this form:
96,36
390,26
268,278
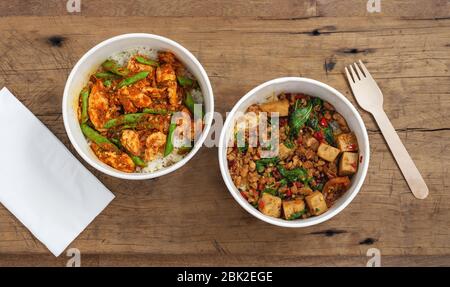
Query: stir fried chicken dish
126,111
316,157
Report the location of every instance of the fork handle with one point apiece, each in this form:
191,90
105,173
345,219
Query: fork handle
410,172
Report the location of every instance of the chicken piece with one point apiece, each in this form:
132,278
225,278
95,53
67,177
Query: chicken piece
291,207
284,152
312,143
130,141
165,77
135,67
281,107
348,164
114,158
347,142
100,109
133,99
154,143
316,203
328,152
270,205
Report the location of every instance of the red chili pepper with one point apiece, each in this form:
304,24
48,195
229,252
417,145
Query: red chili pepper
261,204
244,195
318,135
300,140
283,121
261,186
323,122
300,96
288,192
352,147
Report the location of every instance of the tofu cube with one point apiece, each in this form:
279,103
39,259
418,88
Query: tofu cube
312,143
328,152
270,205
347,142
316,203
349,163
280,107
290,207
284,151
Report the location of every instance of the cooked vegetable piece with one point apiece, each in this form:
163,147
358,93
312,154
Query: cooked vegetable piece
336,184
155,112
281,107
316,203
191,105
169,144
106,75
284,151
270,205
348,163
347,142
124,119
293,209
296,174
114,158
185,81
327,152
299,117
113,67
133,79
84,105
138,161
262,163
146,61
95,136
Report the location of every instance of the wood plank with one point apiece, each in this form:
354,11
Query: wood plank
273,9
189,217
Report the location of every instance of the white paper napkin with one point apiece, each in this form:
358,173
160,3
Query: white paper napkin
41,182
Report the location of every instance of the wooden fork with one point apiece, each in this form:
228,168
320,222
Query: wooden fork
369,97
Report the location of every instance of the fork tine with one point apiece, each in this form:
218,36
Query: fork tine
360,74
355,77
366,72
349,78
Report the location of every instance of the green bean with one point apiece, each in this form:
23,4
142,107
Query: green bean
127,119
190,104
106,75
133,79
169,144
107,83
146,61
184,81
84,105
94,136
156,112
113,67
138,161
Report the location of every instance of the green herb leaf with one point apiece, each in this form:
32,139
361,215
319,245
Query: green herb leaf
262,163
296,174
289,144
270,191
297,215
298,118
185,81
329,137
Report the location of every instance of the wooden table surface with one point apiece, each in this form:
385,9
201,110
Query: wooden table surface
188,217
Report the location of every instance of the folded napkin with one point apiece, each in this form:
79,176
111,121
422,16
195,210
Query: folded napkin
41,182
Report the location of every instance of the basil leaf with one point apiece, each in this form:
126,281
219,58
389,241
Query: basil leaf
297,215
296,174
329,137
298,118
262,163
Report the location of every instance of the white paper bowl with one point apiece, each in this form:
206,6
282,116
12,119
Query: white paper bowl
312,88
92,60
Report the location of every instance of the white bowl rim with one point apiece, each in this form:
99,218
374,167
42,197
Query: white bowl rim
277,221
139,176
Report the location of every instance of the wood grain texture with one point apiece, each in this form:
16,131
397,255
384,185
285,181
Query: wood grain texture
188,217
